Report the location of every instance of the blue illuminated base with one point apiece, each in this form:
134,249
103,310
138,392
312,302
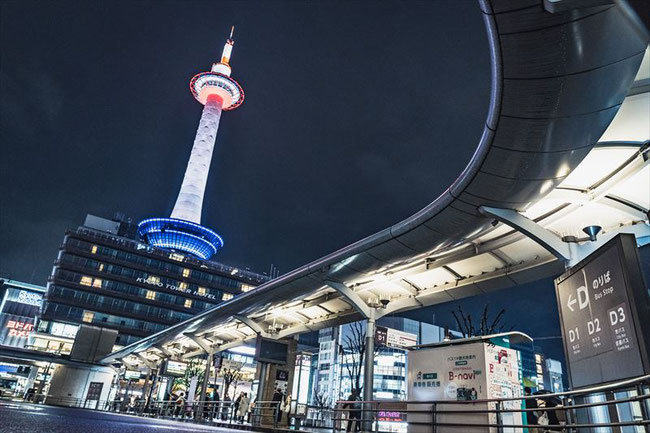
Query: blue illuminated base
180,235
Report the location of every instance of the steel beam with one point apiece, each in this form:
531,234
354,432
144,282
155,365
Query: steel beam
352,298
253,325
547,239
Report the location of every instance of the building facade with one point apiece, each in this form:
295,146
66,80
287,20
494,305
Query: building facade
334,381
19,306
107,280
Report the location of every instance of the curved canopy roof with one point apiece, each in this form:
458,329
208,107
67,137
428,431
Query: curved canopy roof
558,81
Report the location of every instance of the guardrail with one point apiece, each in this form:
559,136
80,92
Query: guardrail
626,405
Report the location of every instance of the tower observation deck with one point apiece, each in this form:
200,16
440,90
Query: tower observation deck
183,231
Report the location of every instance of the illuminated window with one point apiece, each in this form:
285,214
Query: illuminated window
246,287
182,286
202,291
177,257
97,282
186,272
94,249
226,296
86,281
152,279
88,316
151,294
101,267
188,303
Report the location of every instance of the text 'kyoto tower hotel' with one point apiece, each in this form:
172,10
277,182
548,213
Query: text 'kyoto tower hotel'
183,231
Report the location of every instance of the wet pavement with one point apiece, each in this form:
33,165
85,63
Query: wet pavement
17,417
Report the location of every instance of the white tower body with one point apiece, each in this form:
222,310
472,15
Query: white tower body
190,199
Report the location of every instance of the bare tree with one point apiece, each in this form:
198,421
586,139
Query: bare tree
353,351
231,375
484,326
322,402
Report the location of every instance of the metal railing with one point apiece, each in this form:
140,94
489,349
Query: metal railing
572,411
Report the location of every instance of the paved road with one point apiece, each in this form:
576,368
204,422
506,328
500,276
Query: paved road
31,418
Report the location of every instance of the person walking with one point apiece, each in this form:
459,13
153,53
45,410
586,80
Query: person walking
227,403
180,405
242,410
354,414
277,403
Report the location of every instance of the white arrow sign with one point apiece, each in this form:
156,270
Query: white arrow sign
571,302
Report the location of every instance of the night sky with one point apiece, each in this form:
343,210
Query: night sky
356,115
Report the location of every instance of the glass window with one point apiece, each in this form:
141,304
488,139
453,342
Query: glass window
94,249
88,316
226,296
182,286
201,291
188,303
86,281
186,272
246,287
101,267
97,282
177,257
151,294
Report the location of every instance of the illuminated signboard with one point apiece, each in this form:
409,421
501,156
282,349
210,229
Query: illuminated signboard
389,415
601,301
19,329
175,368
30,298
132,374
393,338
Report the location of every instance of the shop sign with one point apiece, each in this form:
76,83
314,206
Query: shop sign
19,329
389,415
30,298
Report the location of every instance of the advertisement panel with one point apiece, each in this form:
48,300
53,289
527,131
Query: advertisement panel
600,301
467,371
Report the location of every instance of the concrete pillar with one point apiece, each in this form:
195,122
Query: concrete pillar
79,386
269,374
369,373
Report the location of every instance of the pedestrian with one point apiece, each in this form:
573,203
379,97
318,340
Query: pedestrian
242,409
354,414
236,404
277,403
287,407
227,402
180,405
531,415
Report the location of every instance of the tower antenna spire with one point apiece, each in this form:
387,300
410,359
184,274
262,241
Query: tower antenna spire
232,31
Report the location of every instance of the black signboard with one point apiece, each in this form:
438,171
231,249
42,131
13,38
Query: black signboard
381,336
601,300
271,351
94,391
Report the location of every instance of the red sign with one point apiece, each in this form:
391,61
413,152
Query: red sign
19,329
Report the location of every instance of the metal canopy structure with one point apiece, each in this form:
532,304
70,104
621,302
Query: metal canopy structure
558,82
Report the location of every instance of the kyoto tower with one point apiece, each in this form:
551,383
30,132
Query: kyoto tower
183,231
